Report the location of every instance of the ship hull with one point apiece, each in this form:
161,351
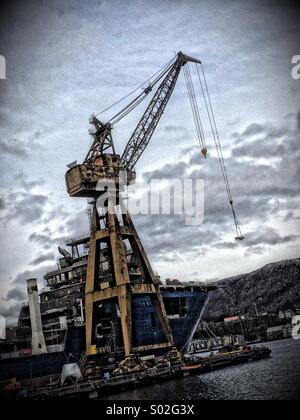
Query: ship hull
183,305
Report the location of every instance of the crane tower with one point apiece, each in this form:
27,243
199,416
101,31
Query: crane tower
112,283
119,274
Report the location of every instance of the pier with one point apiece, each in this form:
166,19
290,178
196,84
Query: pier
143,374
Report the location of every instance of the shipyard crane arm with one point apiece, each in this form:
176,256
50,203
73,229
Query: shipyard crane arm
147,124
102,162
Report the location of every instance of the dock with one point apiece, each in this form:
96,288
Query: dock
194,364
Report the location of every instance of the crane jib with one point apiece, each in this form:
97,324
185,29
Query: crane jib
187,58
147,124
140,138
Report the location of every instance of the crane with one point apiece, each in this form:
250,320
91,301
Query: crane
102,138
110,279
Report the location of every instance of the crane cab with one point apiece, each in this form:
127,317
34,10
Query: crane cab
82,179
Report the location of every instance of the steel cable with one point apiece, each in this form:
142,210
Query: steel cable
161,70
216,137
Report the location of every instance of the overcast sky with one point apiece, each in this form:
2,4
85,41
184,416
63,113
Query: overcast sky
68,59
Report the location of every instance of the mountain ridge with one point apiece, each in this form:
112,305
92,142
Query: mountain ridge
274,287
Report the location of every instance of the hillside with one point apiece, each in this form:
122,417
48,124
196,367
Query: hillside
275,286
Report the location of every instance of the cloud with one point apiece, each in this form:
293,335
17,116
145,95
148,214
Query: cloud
173,171
18,290
22,148
2,204
167,236
11,312
16,293
42,258
27,208
274,188
13,147
268,236
264,164
22,203
40,238
252,130
176,129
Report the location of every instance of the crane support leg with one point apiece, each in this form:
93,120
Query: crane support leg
112,281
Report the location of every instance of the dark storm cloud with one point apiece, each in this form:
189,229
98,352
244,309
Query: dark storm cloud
26,184
164,235
2,204
255,250
22,204
11,312
40,238
261,240
252,130
268,236
173,171
21,148
291,216
16,293
20,279
273,188
77,225
275,143
71,227
298,120
18,290
42,258
67,59
13,147
27,208
172,128
47,240
268,133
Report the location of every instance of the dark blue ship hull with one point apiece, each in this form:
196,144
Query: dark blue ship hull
183,306
45,364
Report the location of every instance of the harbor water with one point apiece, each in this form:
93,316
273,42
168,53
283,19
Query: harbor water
277,378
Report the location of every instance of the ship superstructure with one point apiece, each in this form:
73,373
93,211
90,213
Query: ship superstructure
62,308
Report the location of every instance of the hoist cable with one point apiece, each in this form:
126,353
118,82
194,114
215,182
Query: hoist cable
219,148
195,113
196,104
136,101
193,107
161,70
218,145
131,105
127,110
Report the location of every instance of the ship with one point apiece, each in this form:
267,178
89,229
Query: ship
62,311
104,302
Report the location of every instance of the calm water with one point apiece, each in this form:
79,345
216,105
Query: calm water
275,378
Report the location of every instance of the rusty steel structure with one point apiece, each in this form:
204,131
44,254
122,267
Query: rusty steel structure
108,274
